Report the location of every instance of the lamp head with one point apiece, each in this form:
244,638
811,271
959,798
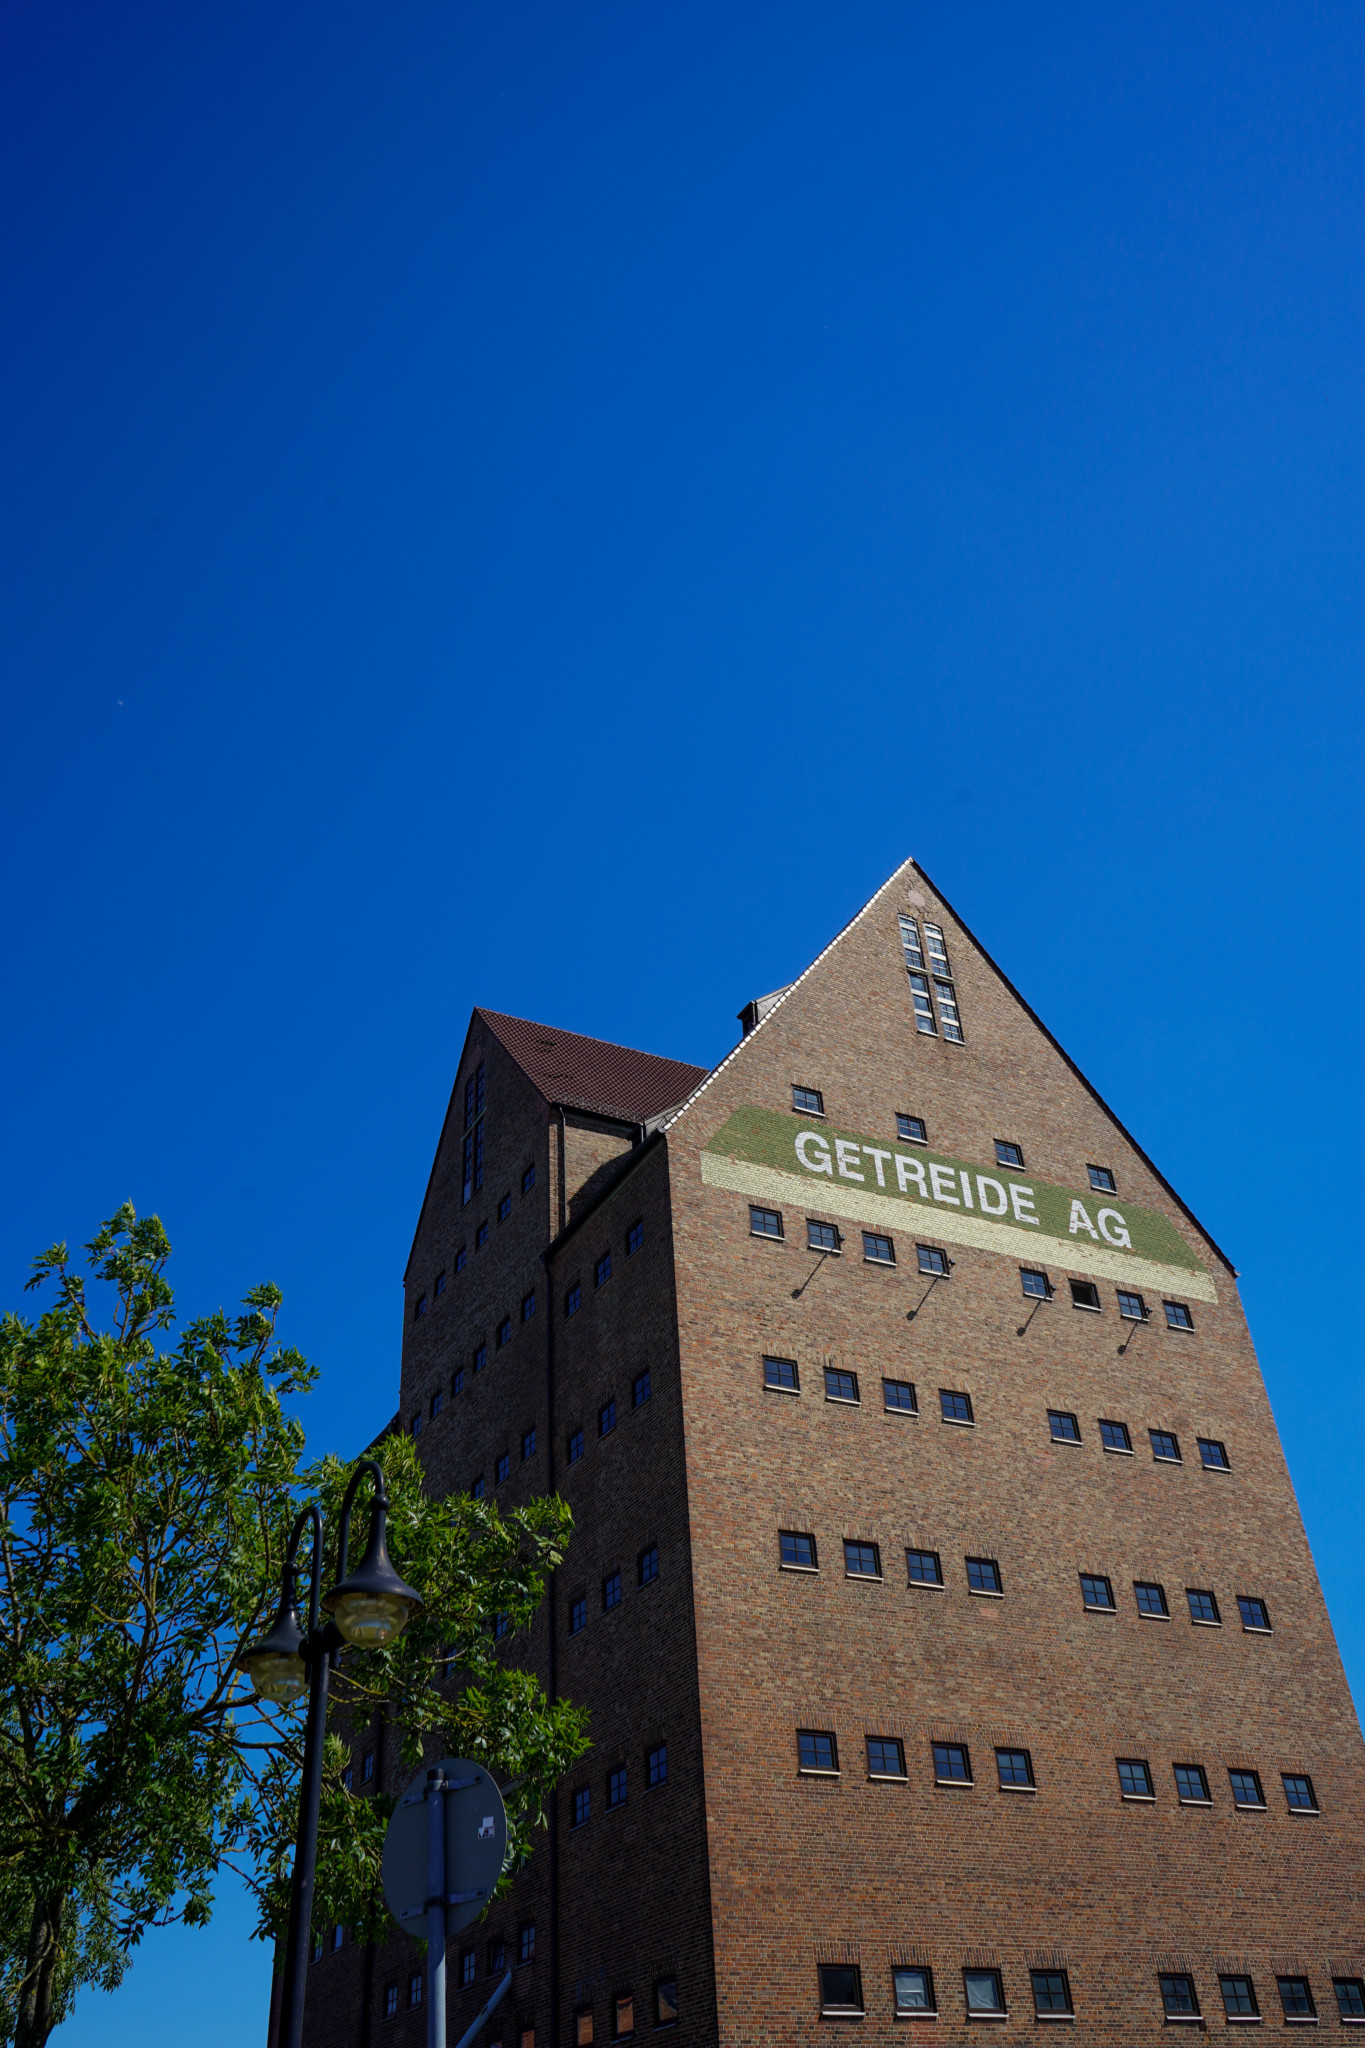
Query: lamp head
372,1606
275,1664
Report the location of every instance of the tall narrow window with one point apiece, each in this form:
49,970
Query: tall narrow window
944,993
472,1176
919,980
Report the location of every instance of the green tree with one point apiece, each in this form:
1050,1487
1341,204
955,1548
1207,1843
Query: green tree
146,1491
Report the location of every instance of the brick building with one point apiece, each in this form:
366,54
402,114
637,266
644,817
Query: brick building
952,1644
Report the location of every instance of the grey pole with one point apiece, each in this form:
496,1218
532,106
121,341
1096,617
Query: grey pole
436,1909
468,2035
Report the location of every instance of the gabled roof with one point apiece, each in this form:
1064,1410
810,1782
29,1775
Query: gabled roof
592,1074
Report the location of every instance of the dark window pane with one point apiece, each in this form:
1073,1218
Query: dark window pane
861,1560
1191,1784
666,2003
809,1101
1065,1428
1350,1997
1239,1999
821,1237
1014,1766
911,1128
1096,1591
578,1616
1177,1992
1151,1598
611,1590
1203,1606
952,1765
1178,1316
1135,1779
1007,1154
879,1250
781,1372
1253,1612
649,1565
1132,1307
797,1548
634,1239
983,1575
841,1987
840,1386
1101,1179
1035,1283
924,1567
1299,1793
885,1757
1165,1446
1295,1997
1246,1788
1084,1294
762,1223
1114,1436
931,1259
658,1764
900,1395
1051,1991
1213,1454
575,1446
954,1407
817,1749
606,1418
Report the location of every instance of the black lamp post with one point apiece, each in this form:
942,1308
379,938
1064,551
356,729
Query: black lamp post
368,1609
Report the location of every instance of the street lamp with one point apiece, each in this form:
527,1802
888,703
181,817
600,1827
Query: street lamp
370,1608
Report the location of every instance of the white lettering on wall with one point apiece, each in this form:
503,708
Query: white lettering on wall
1022,1199
1119,1236
877,1157
1080,1221
986,1191
907,1170
821,1162
966,1180
845,1151
937,1176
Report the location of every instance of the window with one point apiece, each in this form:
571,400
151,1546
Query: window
931,1260
914,1990
582,1805
1132,1307
528,1306
911,1128
623,2015
1203,1606
1097,1592
821,1237
1051,1991
338,1937
528,1443
924,1567
1007,1154
601,1272
1246,1788
611,1591
1192,1785
1064,1426
656,1764
1350,1997
666,2003
476,1487
1177,1994
885,1756
647,1565
616,1787
1165,1446
480,1357
504,1469
575,1446
762,1223
878,1250
573,1300
983,1990
505,1207
781,1373
481,1237
1178,1316
841,1988
1239,1997
861,1560
635,1237
457,1379
461,1258
919,980
473,1125
606,1417
1298,1791
467,1967
421,1307
1295,1998
809,1101
435,1405
983,1575
1213,1455
952,1765
502,1624
390,2001
528,1180
1085,1294
367,1767
954,1407
414,1989
439,1286
899,1396
840,1386
526,1942
496,1955
639,1389
578,1616
1135,1779
503,1333
1114,1436
1015,1766
417,1424
817,1749
944,994
1254,1613
796,1549
1151,1598
1102,1180
1036,1285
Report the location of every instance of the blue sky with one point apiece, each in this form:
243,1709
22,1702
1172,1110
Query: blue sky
547,506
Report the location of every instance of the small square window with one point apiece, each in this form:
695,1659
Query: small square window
1008,1154
616,1787
952,1765
841,1988
1350,1993
611,1591
1064,1426
1213,1455
1097,1592
1051,1991
914,1990
1295,1998
666,2003
983,1990
782,1373
461,1259
390,2001
885,1756
656,1764
1165,1446
1298,1791
1114,1436
924,1567
578,1616
1178,1316
468,1967
1246,1788
1192,1785
1085,1294
601,1272
809,1101
526,1942
861,1560
1239,1997
504,1208
911,1128
504,1469
817,1749
1151,1598
647,1565
1102,1180
480,1357
582,1805
983,1575
503,1333
1177,1994
639,1389
528,1443
1036,1285
1254,1613
1135,1778
623,2015
840,1386
606,1417
1015,1766
955,1407
481,1237
931,1259
1132,1307
573,1300
899,1396
796,1549
1203,1606
764,1222
821,1237
575,1446
635,1237
528,1180
878,1250
528,1306
476,1487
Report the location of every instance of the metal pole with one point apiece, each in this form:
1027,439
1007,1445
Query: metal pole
306,1849
468,2035
436,1908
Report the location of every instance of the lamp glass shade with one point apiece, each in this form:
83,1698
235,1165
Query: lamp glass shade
278,1675
369,1620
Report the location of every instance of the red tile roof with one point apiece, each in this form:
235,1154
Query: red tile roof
591,1074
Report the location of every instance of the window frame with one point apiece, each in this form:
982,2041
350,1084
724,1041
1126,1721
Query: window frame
911,1580
665,1984
635,1237
893,1742
796,1537
841,2009
1014,1165
928,2011
1165,1457
1078,1290
772,1386
1090,1580
1027,1783
1047,1292
1101,1178
951,1781
998,2011
1050,2011
1222,1463
1162,1613
1056,1415
1253,1628
778,1236
1238,1977
873,1550
816,1104
925,1255
1193,1593
995,1592
1200,1776
641,1390
647,1567
833,1250
613,1590
911,1137
1191,2015
1240,1805
1183,1307
875,1258
853,1400
967,1421
1298,2013
910,1407
1300,1778
811,1770
1133,1764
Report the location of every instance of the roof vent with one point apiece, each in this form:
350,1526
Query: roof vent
753,1013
